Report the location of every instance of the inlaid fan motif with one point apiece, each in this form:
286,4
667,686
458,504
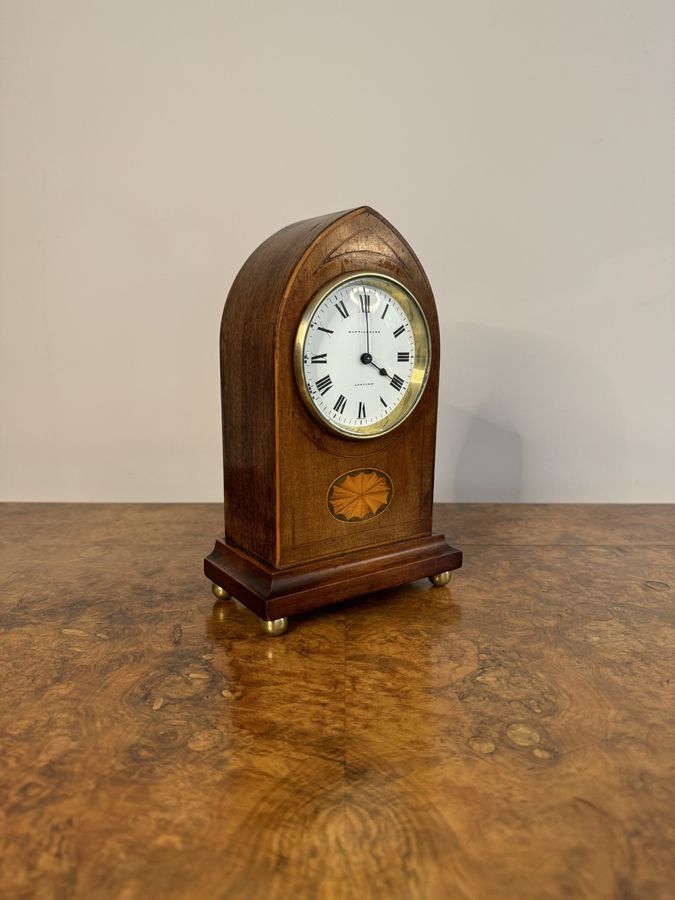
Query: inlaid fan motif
360,494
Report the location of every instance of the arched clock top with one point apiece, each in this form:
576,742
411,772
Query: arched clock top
323,248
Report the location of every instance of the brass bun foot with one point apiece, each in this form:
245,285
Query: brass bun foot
219,592
440,579
274,627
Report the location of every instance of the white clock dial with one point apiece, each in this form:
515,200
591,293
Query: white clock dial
362,355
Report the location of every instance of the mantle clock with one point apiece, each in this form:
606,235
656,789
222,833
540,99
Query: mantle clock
329,361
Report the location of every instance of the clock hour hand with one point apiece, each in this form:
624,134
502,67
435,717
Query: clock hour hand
367,360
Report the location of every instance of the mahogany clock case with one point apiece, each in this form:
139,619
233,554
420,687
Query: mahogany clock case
284,550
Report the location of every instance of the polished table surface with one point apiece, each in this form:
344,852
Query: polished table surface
510,735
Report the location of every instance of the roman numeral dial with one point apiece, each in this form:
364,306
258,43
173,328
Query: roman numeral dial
362,355
342,309
323,385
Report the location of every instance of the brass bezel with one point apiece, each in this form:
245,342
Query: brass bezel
421,368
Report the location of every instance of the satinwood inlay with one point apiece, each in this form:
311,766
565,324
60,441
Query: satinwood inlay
359,495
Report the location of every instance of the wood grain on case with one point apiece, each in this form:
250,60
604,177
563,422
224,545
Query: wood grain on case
249,385
510,736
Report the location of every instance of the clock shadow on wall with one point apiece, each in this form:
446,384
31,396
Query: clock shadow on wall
490,464
329,440
521,381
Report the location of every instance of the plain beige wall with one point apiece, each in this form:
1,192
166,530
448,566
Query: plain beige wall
525,148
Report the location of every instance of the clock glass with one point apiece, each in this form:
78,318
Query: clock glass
362,355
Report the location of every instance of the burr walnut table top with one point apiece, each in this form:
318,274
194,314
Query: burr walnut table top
510,735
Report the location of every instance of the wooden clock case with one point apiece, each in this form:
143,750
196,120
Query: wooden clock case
283,551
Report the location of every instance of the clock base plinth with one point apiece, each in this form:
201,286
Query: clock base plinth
274,594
